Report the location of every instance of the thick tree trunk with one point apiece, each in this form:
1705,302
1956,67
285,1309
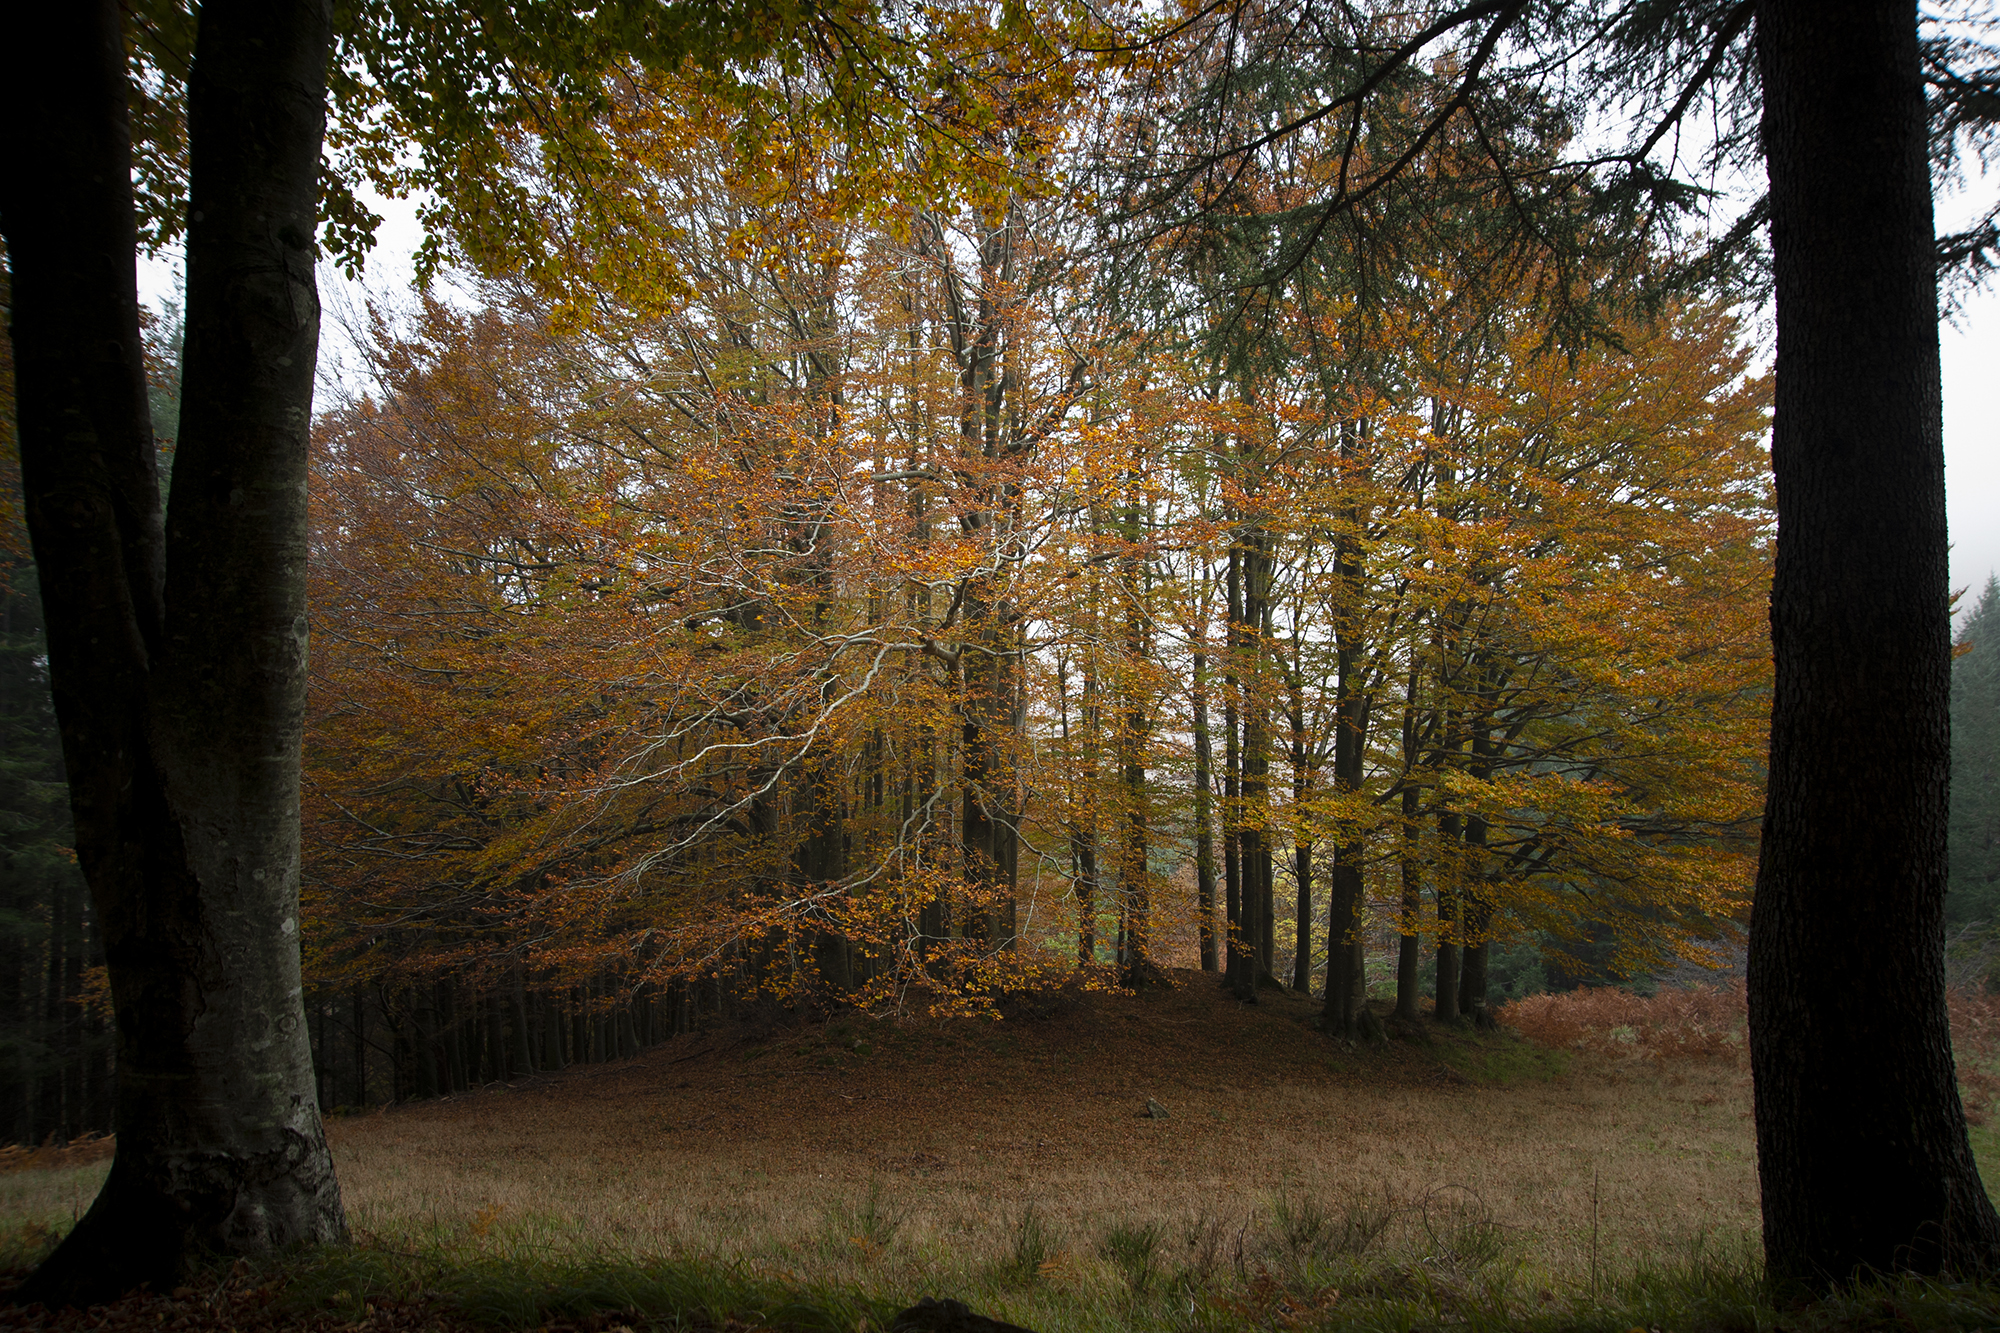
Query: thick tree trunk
1861,1138
179,664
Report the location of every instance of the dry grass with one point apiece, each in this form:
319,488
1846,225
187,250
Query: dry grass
1707,1023
1703,1022
923,1150
930,1156
1011,1163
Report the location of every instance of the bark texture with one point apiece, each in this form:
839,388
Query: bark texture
1861,1138
178,657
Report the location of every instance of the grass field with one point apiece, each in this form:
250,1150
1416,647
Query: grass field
1013,1164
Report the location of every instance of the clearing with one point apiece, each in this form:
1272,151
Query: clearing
921,1156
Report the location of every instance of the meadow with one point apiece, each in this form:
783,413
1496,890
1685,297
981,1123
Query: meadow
844,1168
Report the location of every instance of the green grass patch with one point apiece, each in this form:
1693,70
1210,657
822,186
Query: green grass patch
1148,1281
1500,1059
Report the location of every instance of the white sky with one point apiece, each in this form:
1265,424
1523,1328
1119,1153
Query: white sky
1971,350
1970,346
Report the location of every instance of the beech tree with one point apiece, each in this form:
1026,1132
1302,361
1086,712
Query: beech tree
177,641
177,650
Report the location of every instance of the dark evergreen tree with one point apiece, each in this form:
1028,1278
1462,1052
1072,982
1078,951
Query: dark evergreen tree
1973,893
52,1046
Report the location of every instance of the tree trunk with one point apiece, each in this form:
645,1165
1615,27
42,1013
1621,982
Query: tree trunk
1475,913
1236,943
1409,944
1135,870
1204,818
517,1026
1861,1139
179,663
1254,848
434,1032
1447,950
359,1013
1302,922
1083,835
1346,983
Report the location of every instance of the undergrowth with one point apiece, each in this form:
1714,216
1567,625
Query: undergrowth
1701,1021
1705,1290
1705,1022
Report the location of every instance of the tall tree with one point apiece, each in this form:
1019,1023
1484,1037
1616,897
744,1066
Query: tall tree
1851,885
177,651
1975,765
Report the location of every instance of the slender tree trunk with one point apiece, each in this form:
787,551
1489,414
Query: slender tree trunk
1083,836
359,1017
179,665
523,1051
1238,954
422,1042
1204,819
1409,950
1302,922
1861,1139
1135,870
1254,851
1134,873
1346,985
1448,929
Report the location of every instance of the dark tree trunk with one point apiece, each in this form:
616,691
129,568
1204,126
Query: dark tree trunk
360,1021
1253,840
1135,883
986,828
1447,946
1135,872
1861,1137
1302,922
1204,818
1237,954
1083,836
423,1044
1083,851
178,664
1346,984
1475,918
1409,943
520,1042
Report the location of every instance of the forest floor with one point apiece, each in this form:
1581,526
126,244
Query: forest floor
1014,1164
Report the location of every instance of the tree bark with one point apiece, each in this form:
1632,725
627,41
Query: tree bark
1861,1140
178,659
1204,819
1409,943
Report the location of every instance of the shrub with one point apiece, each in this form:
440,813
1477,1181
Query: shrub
1700,1021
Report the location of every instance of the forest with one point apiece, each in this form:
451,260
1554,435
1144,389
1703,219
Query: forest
887,514
878,613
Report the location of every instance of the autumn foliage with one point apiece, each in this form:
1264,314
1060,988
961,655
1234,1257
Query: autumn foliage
850,608
1700,1021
